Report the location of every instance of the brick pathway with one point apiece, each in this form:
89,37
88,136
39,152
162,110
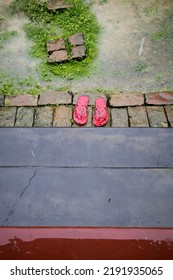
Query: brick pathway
56,109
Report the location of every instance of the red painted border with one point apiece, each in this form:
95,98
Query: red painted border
70,243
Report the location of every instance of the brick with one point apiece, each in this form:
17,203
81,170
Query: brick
43,117
78,52
55,45
54,98
92,97
58,56
138,116
89,122
76,39
109,118
163,98
7,116
25,117
62,116
156,116
1,100
169,113
126,99
58,5
119,117
21,100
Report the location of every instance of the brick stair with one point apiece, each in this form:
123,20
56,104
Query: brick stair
54,109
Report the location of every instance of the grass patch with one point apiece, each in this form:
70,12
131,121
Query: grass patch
11,84
142,67
165,33
6,36
46,25
149,11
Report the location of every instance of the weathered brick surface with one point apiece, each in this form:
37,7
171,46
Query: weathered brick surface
55,45
7,116
138,116
169,113
21,100
163,98
54,97
156,116
119,117
25,117
58,5
109,118
76,39
58,56
92,97
62,116
89,122
1,100
126,99
43,117
78,52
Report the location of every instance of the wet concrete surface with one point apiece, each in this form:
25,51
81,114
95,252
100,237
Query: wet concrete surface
135,48
106,178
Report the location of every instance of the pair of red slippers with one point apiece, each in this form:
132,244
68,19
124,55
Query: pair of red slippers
80,115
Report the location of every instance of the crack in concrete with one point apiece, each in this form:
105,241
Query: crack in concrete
11,212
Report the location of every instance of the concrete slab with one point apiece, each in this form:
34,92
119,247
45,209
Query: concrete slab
100,177
86,197
91,147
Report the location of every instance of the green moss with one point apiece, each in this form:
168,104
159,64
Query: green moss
47,25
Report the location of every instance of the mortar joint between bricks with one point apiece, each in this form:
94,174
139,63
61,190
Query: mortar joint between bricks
169,124
129,117
34,115
15,119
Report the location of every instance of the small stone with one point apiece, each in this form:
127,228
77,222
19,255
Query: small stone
7,116
119,117
54,98
76,39
24,117
163,98
169,112
58,4
156,116
21,100
62,117
1,100
58,56
55,45
138,116
126,99
43,117
78,52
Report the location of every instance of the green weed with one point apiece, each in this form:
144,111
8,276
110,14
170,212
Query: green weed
151,10
142,67
12,84
6,36
165,33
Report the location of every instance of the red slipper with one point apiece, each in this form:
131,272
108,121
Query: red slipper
80,115
100,112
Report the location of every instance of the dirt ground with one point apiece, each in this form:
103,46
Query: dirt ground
135,48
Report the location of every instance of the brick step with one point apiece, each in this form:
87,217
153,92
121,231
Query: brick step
55,109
